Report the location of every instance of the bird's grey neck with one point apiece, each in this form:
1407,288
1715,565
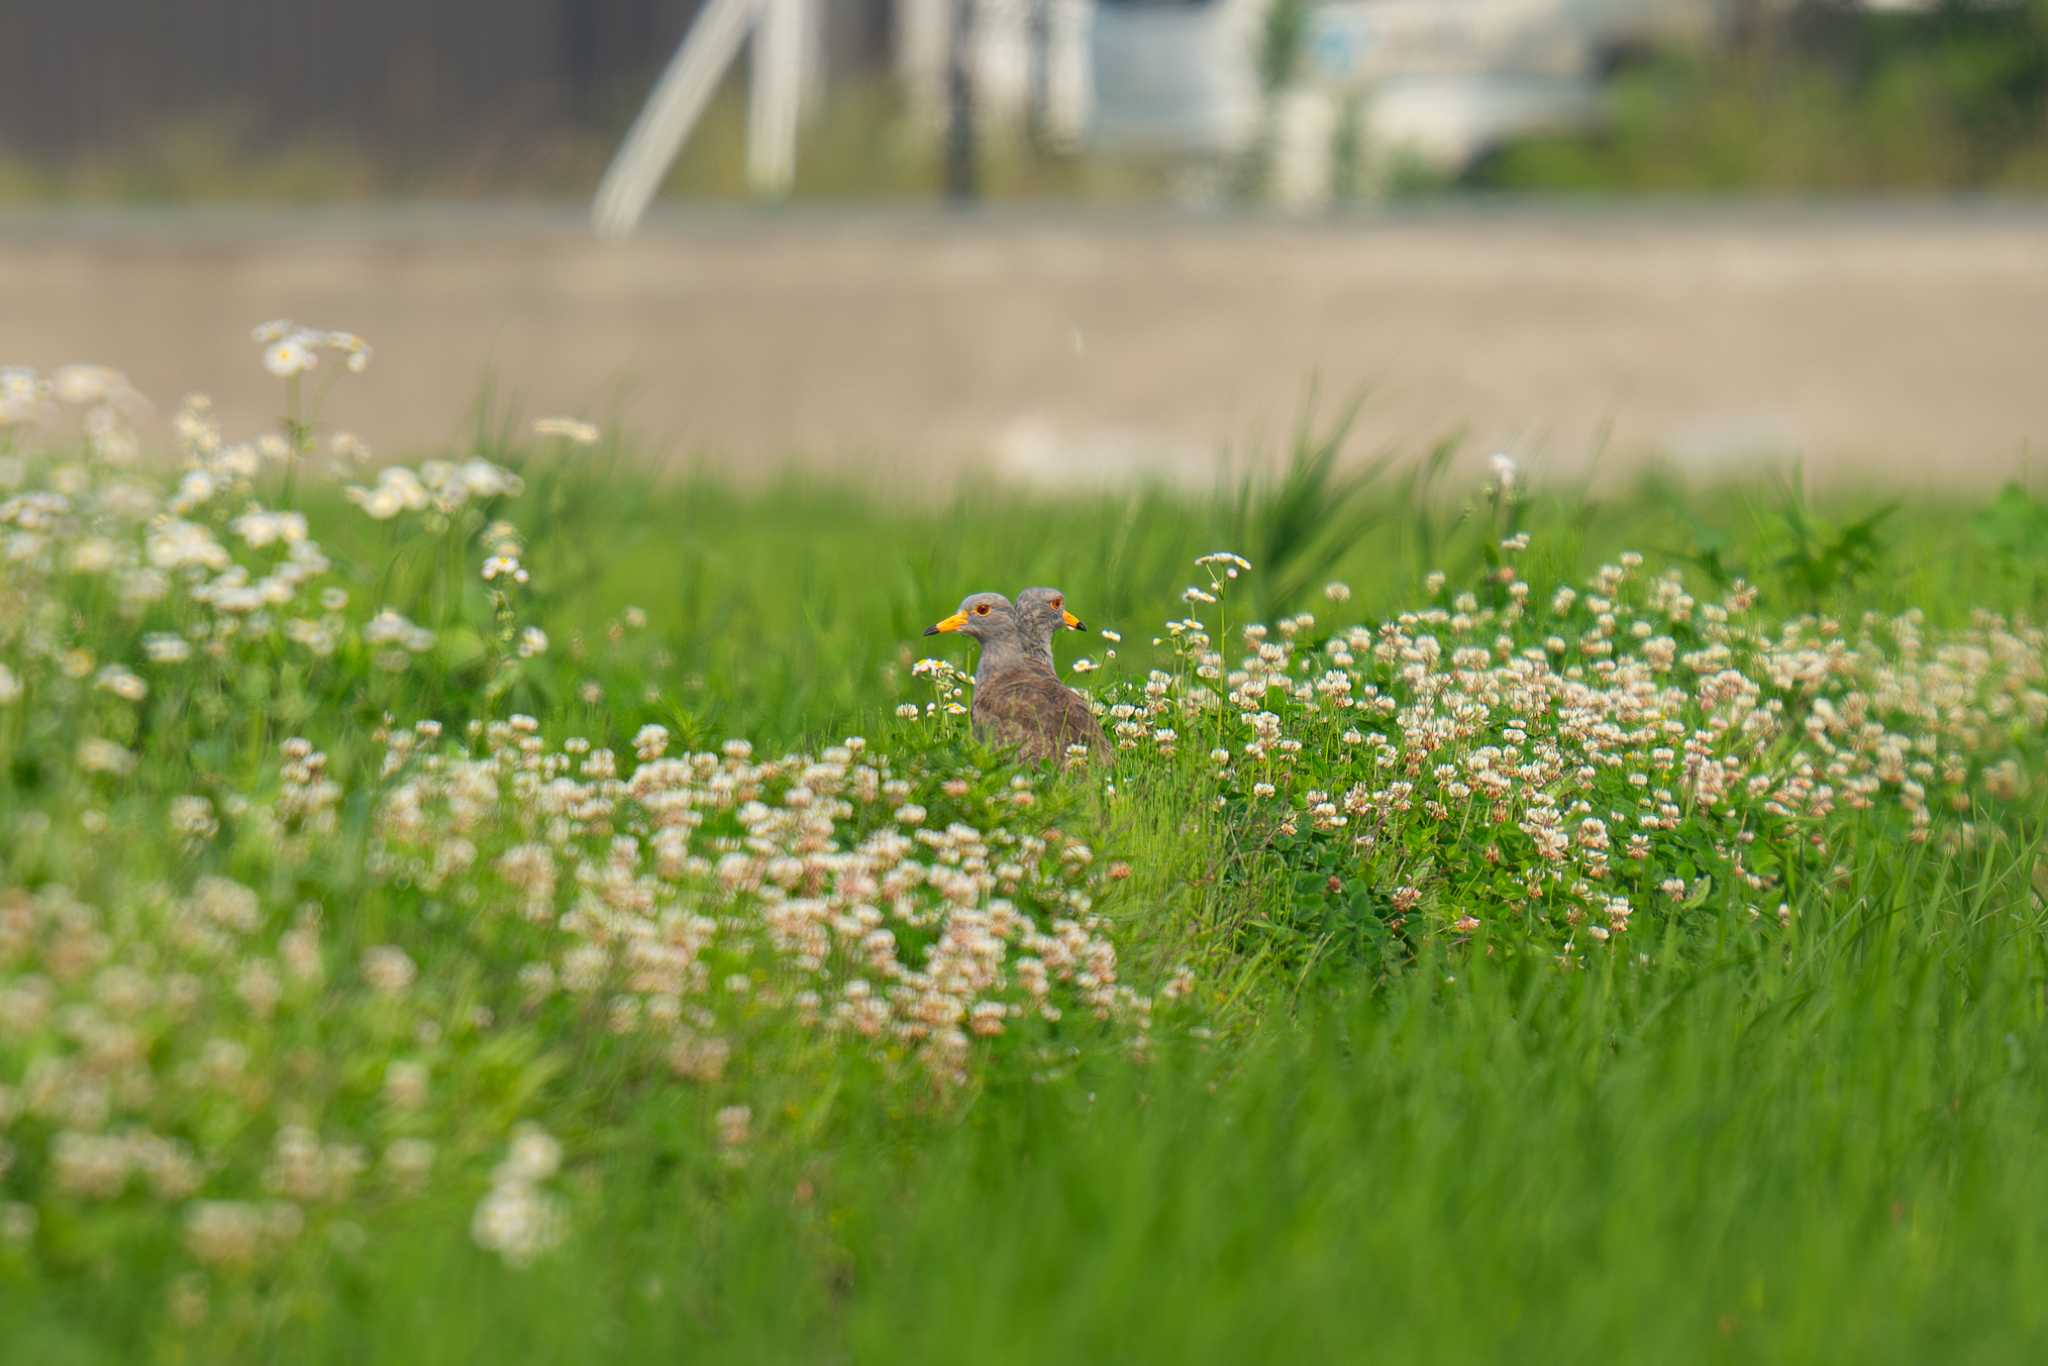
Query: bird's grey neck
1007,655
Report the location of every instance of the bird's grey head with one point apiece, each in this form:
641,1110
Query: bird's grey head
1042,614
984,616
989,618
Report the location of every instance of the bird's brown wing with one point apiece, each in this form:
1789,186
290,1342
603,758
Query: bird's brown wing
1078,726
1037,714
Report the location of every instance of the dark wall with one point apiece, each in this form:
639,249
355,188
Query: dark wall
390,74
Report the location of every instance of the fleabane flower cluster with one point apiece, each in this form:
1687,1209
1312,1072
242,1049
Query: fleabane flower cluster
290,350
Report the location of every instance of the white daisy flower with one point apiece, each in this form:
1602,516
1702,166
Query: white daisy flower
289,356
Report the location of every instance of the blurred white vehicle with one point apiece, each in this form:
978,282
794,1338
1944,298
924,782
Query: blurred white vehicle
1438,80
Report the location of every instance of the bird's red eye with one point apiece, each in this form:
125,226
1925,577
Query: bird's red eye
1058,603
982,610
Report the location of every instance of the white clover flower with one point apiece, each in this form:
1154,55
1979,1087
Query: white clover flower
650,742
533,642
97,755
1082,666
534,1156
388,969
192,818
226,1232
517,1222
1337,592
405,1084
1505,470
409,1161
735,1125
275,330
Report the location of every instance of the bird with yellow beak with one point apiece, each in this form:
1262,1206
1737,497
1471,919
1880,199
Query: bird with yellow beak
1019,700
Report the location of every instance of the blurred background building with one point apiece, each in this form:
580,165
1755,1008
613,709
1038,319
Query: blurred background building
1300,100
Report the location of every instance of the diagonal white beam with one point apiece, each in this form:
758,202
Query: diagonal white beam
671,111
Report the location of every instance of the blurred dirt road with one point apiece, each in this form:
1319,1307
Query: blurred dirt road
1894,342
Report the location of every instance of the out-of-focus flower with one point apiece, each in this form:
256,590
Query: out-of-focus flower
518,1222
85,385
1505,471
97,755
289,356
573,430
355,352
504,566
388,969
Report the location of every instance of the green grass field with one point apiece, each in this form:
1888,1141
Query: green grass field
402,965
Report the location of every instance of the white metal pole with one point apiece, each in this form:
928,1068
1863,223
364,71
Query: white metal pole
1070,79
672,109
775,99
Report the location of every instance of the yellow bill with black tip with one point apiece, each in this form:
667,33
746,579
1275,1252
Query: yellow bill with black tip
952,623
1073,622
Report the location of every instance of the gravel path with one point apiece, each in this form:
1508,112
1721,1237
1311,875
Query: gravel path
1897,343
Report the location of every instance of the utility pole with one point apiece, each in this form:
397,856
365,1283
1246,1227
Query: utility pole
962,174
1038,108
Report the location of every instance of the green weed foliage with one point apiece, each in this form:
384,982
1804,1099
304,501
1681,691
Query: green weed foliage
525,905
